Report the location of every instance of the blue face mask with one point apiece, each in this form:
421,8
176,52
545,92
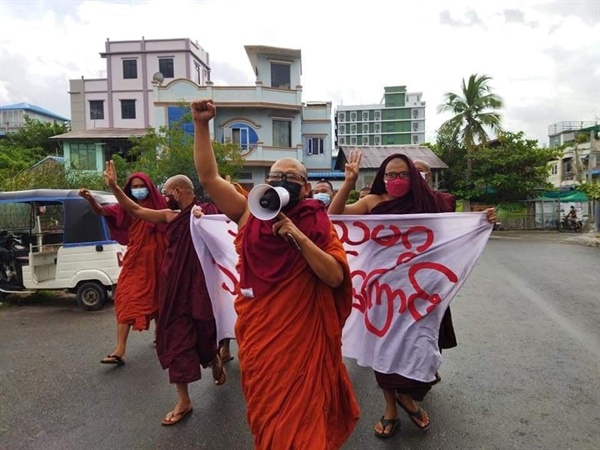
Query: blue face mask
140,193
323,196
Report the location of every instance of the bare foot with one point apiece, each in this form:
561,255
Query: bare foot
178,413
225,354
218,371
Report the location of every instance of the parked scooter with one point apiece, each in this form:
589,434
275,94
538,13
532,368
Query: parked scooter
567,224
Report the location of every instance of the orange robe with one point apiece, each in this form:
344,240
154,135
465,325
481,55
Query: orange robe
136,297
297,389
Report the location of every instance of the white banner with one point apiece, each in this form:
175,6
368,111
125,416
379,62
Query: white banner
405,271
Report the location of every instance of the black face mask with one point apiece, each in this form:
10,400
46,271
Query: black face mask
294,190
172,203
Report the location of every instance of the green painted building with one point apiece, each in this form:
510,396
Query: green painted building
398,120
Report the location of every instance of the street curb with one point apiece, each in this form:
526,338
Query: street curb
590,239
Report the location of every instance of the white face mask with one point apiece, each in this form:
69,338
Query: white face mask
323,196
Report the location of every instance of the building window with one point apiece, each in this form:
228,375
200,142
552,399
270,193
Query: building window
353,128
240,136
377,115
554,169
97,109
342,141
353,140
341,117
282,133
365,140
83,156
198,73
165,66
127,109
280,76
365,116
415,126
342,129
377,128
365,128
129,68
206,74
415,113
377,140
415,139
314,146
353,116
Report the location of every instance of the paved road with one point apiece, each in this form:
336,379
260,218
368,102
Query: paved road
525,374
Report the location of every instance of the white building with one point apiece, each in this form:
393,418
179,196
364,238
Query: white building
124,98
268,120
12,117
398,120
580,159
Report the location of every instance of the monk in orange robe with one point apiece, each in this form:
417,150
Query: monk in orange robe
186,335
294,297
136,296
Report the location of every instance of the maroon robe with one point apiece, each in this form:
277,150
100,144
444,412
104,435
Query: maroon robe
419,200
186,332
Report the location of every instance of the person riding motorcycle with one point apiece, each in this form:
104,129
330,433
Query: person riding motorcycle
571,217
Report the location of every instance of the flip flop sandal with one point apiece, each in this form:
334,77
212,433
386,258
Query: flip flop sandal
416,416
114,359
222,377
395,423
175,418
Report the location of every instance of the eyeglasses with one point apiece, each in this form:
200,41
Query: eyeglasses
394,175
288,176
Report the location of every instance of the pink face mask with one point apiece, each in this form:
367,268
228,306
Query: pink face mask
398,187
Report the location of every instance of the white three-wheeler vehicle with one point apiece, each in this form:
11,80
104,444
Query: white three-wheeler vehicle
50,239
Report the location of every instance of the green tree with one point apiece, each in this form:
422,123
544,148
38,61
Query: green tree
53,176
35,136
453,154
170,151
475,109
23,148
512,171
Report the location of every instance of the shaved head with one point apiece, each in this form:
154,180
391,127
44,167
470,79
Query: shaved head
421,165
180,182
290,164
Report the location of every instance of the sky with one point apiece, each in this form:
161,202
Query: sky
543,56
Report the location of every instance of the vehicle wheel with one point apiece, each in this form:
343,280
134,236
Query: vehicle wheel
91,295
561,226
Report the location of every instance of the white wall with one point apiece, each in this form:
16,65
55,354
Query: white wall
138,122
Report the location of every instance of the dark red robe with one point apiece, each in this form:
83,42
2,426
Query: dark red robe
186,332
420,199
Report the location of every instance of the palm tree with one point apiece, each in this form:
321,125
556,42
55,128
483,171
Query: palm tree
474,111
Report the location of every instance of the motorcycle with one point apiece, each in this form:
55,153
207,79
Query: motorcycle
567,224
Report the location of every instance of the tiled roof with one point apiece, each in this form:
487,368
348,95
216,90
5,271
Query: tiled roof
103,133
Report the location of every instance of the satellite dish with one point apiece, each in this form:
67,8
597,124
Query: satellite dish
158,77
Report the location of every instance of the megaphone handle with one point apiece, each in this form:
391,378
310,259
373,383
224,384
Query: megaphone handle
294,241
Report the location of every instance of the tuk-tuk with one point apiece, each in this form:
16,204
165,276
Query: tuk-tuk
50,239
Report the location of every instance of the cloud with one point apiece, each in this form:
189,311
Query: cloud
223,73
545,73
588,11
471,19
514,15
